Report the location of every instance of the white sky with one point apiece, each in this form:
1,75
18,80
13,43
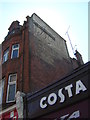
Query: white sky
58,14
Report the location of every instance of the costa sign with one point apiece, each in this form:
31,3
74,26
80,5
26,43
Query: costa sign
52,98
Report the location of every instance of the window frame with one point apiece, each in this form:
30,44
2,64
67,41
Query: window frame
8,87
2,82
15,49
5,55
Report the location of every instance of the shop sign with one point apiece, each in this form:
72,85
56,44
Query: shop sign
69,91
13,114
52,98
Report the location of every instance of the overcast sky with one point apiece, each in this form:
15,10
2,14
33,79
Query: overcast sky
58,14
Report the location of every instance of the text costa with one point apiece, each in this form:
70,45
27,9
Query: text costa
52,98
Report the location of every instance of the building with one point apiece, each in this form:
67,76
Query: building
33,56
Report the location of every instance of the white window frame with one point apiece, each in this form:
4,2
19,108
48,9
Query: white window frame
17,48
6,55
11,83
2,89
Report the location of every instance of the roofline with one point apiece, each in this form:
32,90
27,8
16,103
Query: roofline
46,24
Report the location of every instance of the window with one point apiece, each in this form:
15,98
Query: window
5,55
11,91
1,90
15,51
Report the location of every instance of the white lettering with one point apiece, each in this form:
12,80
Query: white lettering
12,114
80,86
42,104
52,98
60,94
68,88
76,114
63,117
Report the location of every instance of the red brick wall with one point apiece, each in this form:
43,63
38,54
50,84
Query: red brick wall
18,65
11,65
43,73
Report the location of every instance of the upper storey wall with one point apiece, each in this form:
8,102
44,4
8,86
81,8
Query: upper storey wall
49,37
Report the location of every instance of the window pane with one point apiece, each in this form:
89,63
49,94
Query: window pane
15,51
3,86
12,78
5,55
3,58
0,94
11,94
1,90
15,46
11,91
15,54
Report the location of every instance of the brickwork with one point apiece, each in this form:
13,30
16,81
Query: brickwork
43,55
49,57
46,65
12,66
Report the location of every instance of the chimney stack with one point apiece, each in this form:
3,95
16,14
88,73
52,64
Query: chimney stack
79,58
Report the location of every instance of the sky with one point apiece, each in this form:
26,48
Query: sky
60,15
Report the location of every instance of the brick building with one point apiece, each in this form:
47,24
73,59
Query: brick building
33,56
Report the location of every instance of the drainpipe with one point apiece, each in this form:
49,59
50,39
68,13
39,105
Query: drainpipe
23,56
